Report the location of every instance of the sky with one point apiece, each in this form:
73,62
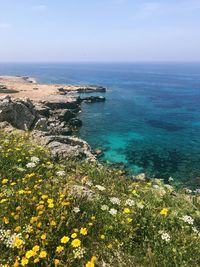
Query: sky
99,30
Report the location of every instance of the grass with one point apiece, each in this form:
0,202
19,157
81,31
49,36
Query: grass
81,214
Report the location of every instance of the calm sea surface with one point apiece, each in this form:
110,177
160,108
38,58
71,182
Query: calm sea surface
151,119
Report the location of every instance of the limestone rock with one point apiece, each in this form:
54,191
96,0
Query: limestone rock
20,113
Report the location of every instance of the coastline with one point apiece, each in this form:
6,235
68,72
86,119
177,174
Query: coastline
49,111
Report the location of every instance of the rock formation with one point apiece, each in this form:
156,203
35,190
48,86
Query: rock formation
50,123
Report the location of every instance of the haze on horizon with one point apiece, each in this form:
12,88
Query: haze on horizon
106,30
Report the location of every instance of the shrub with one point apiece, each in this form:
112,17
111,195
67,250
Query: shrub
82,214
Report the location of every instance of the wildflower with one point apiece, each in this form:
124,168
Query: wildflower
30,165
35,159
59,249
44,196
24,261
51,205
3,200
4,181
129,202
89,264
129,220
56,261
115,200
102,237
5,220
113,211
43,237
140,205
17,229
36,248
53,223
76,243
30,254
104,207
50,200
64,239
79,253
126,211
164,211
74,235
76,209
92,262
18,242
60,173
43,254
188,219
83,231
36,260
166,237
101,188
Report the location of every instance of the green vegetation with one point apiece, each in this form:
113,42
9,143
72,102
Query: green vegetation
81,214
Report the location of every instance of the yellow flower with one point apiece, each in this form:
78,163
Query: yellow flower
50,200
5,220
129,220
4,181
36,248
30,254
65,203
59,249
44,196
64,239
43,237
127,210
92,262
102,237
93,259
56,261
83,231
18,242
3,200
51,205
53,223
17,229
164,211
74,235
110,246
76,243
16,264
89,264
43,254
24,261
36,260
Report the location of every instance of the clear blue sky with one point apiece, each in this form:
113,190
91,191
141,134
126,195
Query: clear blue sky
99,30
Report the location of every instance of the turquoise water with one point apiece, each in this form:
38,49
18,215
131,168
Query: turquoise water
151,119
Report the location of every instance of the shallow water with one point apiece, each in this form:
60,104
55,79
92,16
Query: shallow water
151,119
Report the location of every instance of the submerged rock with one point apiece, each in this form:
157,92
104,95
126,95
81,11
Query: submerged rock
93,99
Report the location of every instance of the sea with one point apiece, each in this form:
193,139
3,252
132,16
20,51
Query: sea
150,121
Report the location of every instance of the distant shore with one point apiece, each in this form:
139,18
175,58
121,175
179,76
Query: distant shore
24,86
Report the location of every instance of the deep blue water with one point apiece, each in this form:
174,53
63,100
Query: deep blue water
151,119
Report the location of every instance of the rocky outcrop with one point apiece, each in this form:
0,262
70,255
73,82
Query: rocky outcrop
65,147
49,126
66,103
20,113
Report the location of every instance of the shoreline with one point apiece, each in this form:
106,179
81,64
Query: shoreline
25,86
49,111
